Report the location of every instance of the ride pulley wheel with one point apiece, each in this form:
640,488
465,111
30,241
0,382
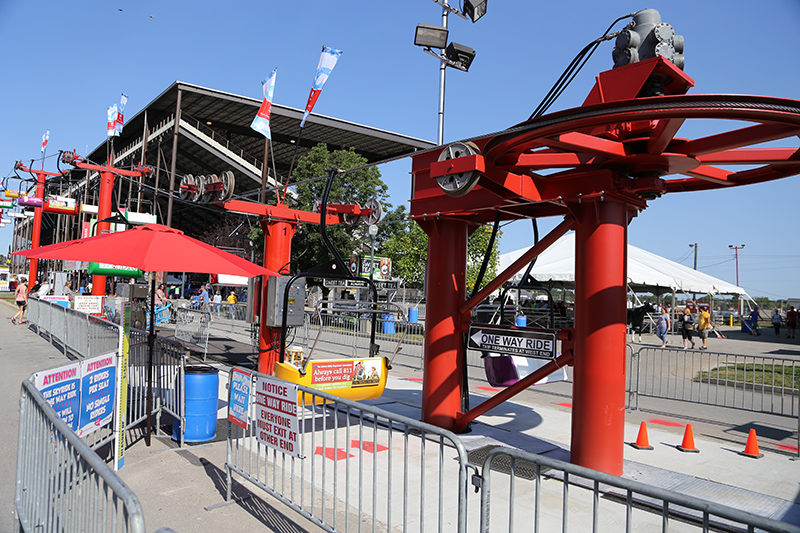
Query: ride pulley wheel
457,185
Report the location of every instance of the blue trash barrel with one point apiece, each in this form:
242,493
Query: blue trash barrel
388,324
202,389
413,315
521,321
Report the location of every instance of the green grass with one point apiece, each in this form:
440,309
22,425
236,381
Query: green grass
768,375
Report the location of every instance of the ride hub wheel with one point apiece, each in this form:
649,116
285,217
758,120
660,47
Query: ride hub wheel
640,138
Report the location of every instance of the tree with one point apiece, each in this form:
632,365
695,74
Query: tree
408,249
476,249
356,187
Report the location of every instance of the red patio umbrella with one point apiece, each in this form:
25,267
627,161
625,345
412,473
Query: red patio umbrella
152,248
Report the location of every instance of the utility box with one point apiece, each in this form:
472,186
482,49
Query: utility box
296,307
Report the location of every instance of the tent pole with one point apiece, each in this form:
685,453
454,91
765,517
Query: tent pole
151,341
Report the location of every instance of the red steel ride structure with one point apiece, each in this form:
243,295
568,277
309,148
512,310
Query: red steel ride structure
596,166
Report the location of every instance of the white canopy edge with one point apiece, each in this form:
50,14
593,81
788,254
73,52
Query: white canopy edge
647,269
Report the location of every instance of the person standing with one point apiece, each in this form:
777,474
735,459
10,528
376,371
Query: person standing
217,301
703,326
21,297
663,325
776,322
754,316
204,299
791,322
232,302
44,289
687,328
161,296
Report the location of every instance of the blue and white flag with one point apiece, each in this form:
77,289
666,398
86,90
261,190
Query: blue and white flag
327,61
261,120
123,100
45,138
111,124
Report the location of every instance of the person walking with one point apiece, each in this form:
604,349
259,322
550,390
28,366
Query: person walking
217,301
687,328
703,326
776,322
21,297
204,299
663,325
791,322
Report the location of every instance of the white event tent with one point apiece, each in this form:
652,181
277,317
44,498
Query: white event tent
647,272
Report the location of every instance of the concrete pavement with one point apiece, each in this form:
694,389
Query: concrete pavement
175,486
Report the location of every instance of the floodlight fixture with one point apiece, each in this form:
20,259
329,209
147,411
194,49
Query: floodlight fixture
475,9
460,56
431,36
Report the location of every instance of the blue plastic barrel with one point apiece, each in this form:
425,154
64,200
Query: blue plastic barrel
388,324
413,315
521,321
202,389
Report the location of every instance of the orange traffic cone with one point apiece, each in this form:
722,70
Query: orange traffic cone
642,442
688,441
751,448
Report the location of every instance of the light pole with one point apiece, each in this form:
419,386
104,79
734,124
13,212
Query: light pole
373,231
453,55
694,295
738,301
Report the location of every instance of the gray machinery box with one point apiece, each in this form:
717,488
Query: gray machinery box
296,306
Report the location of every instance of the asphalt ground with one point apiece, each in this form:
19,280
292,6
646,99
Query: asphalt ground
176,486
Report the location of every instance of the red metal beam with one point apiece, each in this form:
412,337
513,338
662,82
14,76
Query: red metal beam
534,251
663,134
751,156
560,362
737,139
582,142
276,212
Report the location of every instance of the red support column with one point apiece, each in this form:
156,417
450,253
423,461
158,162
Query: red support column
36,234
598,391
277,255
444,346
103,212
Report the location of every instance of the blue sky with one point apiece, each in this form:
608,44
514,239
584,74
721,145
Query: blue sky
65,62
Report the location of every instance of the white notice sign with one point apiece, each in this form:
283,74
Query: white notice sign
276,415
89,304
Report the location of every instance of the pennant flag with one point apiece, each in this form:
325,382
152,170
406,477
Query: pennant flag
111,129
45,138
261,120
123,100
327,61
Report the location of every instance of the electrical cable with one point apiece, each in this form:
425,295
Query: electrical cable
573,69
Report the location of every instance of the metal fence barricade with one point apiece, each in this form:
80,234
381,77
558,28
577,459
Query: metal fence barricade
358,468
62,485
193,326
753,383
758,383
521,491
347,334
168,371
